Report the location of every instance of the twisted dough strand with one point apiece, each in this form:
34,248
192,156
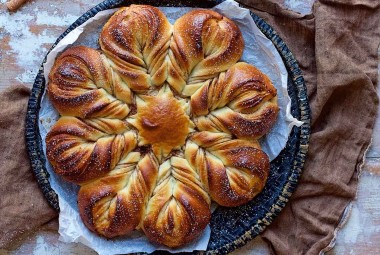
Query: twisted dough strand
81,150
241,101
179,207
204,44
136,40
114,205
232,170
82,84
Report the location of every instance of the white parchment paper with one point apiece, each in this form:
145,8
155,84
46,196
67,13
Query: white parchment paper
258,51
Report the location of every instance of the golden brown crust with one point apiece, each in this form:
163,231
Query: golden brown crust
81,150
241,101
233,171
80,84
127,133
114,205
179,209
204,44
136,40
155,125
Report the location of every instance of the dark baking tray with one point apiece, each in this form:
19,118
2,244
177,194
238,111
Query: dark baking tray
231,228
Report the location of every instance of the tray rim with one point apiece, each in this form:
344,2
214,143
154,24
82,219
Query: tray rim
34,141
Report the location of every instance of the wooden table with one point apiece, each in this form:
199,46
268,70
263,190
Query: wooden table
25,38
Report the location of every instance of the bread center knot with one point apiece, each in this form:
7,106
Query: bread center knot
162,122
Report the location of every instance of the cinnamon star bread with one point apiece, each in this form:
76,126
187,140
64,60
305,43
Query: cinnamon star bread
159,122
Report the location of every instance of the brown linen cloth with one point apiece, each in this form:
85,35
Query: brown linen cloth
336,48
22,205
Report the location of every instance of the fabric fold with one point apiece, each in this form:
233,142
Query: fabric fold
23,207
336,48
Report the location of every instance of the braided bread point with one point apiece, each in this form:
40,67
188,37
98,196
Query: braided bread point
179,209
136,41
83,149
241,101
204,44
114,205
233,171
82,84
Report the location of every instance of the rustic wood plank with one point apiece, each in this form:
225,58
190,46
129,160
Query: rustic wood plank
28,34
375,148
361,234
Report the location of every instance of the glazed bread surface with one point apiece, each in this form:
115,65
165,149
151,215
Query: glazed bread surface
159,122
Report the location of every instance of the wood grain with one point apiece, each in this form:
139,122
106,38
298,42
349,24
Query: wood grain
25,39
